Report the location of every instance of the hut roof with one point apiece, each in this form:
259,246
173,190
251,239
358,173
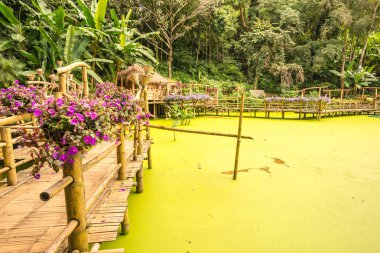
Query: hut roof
135,68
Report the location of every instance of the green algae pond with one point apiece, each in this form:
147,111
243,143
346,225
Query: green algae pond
304,186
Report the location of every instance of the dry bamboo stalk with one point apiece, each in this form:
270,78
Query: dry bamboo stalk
125,223
62,83
13,119
9,160
239,137
85,82
121,156
70,67
56,188
198,132
62,236
76,204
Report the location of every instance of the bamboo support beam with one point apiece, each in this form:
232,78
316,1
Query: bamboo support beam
62,83
24,161
9,159
76,204
56,188
62,236
140,180
70,67
122,174
198,132
13,119
239,137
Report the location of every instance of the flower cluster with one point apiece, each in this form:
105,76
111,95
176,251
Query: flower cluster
19,99
70,125
298,99
188,98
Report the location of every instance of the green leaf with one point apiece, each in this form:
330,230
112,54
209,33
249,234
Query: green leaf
8,14
100,14
87,13
59,18
116,21
48,39
69,45
79,48
95,76
122,35
17,37
29,56
5,44
98,60
336,73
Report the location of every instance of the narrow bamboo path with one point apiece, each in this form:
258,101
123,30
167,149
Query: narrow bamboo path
31,225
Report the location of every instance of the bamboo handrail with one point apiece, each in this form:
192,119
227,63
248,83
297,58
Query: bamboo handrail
56,188
70,67
5,169
16,118
199,132
62,236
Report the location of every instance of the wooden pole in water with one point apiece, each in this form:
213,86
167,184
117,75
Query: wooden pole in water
198,132
76,204
239,137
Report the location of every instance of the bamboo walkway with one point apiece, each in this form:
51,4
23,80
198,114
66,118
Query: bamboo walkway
31,225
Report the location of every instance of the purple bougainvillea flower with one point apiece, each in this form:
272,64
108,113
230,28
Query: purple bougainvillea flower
63,157
87,140
147,123
16,82
9,96
70,161
97,133
74,121
72,150
63,141
18,104
70,114
122,190
57,148
71,109
139,116
55,155
106,137
52,112
148,115
59,102
80,117
93,115
37,113
37,176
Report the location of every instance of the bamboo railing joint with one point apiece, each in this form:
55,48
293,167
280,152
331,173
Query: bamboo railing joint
56,188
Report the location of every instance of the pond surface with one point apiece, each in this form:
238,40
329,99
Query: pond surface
303,186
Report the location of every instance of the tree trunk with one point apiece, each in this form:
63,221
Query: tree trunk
342,71
170,60
242,16
369,32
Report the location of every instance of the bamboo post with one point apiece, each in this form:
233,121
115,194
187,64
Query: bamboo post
239,137
85,82
76,204
125,223
135,141
140,141
122,174
63,83
140,180
9,159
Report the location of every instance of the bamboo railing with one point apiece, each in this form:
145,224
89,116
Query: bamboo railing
72,181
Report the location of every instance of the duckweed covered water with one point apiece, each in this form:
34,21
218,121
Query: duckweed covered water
304,186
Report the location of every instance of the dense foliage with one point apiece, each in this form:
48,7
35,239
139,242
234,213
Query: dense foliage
267,44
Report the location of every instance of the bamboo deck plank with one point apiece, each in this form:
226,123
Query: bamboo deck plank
31,225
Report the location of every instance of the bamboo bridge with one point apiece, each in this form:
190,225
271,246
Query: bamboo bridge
83,204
